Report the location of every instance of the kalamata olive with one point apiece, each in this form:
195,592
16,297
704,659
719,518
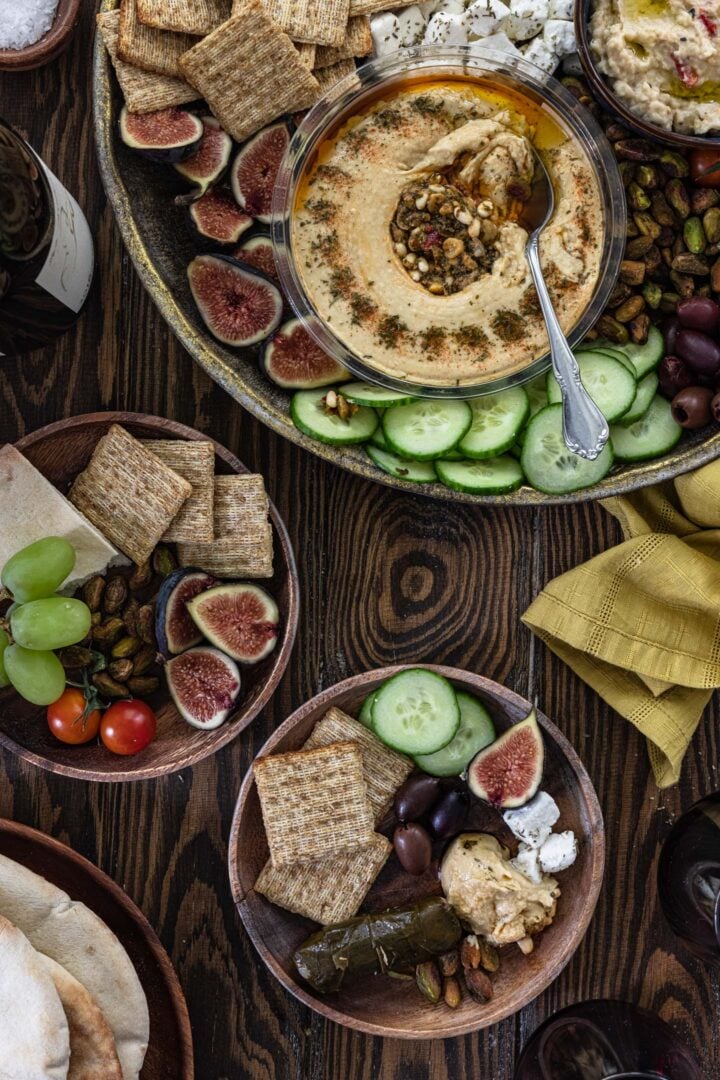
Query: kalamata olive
670,326
699,351
674,375
449,816
705,167
699,313
715,408
415,797
691,407
413,847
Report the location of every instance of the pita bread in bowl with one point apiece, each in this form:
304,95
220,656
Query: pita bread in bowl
92,1046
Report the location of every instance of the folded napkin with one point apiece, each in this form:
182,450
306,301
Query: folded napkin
641,622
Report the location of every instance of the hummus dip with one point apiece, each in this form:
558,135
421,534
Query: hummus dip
406,237
490,895
662,58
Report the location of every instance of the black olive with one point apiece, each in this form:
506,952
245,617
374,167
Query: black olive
416,796
449,816
413,848
691,407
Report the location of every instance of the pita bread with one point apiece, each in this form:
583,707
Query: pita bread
92,1046
34,1034
74,936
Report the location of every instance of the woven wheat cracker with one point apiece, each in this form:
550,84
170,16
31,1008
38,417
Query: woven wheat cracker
358,42
370,7
148,48
249,72
329,76
323,22
143,91
328,890
196,17
195,462
307,53
243,544
314,803
129,494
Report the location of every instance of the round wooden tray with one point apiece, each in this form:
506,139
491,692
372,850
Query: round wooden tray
158,239
389,1007
170,1050
60,451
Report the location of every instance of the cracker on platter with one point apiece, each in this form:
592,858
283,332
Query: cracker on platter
195,462
148,48
307,53
314,803
358,42
143,91
321,21
196,17
329,76
249,72
370,7
243,544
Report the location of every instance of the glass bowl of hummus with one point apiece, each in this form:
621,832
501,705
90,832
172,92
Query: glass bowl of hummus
396,224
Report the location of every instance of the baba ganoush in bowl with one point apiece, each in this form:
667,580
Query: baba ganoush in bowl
397,220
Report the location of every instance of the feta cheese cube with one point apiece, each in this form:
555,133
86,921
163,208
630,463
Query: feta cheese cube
385,33
558,852
527,862
446,29
450,7
560,9
538,53
501,42
522,29
411,26
537,10
572,65
559,36
429,7
486,17
533,822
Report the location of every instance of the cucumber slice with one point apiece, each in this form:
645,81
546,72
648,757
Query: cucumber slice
607,381
426,428
378,438
548,464
308,414
364,394
365,714
655,434
420,472
451,455
646,357
537,393
416,712
646,390
615,354
496,420
476,731
491,476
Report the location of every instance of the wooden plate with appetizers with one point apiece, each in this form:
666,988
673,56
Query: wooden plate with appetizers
374,1002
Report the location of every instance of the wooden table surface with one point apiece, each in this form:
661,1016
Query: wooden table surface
384,577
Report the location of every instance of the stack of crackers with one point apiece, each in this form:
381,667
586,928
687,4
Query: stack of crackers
320,807
138,493
251,60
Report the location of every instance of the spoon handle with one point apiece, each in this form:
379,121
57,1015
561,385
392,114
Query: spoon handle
585,429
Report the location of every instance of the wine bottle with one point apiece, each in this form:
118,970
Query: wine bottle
46,251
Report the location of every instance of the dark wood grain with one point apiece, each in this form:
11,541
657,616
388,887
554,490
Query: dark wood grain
385,578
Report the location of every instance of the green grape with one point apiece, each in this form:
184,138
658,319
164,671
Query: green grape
52,623
39,569
39,677
4,642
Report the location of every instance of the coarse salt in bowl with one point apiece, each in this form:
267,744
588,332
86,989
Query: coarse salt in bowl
23,24
34,32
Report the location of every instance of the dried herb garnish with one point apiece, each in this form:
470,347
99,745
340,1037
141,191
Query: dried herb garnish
341,280
427,106
320,210
432,339
362,307
508,325
471,337
388,118
390,330
529,303
355,139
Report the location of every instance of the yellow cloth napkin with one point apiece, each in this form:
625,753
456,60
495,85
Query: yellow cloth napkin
641,622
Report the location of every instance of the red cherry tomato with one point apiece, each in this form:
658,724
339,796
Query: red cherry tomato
69,719
128,727
705,167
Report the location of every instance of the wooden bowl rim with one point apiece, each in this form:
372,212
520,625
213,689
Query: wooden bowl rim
232,727
35,838
595,853
49,46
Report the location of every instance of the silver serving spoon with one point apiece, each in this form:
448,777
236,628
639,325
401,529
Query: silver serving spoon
585,429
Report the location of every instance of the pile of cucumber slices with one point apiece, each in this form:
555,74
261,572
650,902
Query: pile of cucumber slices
492,445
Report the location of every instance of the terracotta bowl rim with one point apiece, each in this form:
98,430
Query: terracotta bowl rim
49,46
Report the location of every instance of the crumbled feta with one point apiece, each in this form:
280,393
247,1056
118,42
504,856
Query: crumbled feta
446,28
572,65
537,52
451,7
486,17
558,852
501,42
560,9
429,7
559,36
411,26
533,822
528,863
385,33
526,19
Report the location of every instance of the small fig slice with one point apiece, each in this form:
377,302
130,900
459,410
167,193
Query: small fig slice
258,252
507,773
239,306
174,629
216,216
205,166
255,169
294,360
242,620
204,684
166,136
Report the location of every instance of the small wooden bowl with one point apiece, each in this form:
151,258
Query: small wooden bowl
170,1050
390,1007
48,47
60,451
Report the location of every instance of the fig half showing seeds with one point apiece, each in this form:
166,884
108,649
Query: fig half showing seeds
204,684
242,620
258,253
239,306
206,165
174,629
216,216
166,136
508,773
295,361
255,169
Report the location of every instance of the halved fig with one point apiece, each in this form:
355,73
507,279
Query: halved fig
239,306
295,361
205,166
507,773
216,216
174,629
242,620
166,136
255,170
204,684
258,252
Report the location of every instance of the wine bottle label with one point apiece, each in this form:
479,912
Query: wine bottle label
68,270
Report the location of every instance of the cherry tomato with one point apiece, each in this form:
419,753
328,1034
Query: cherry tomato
128,727
705,167
70,719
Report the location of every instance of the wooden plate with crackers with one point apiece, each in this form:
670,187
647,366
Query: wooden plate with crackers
99,460
376,1003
